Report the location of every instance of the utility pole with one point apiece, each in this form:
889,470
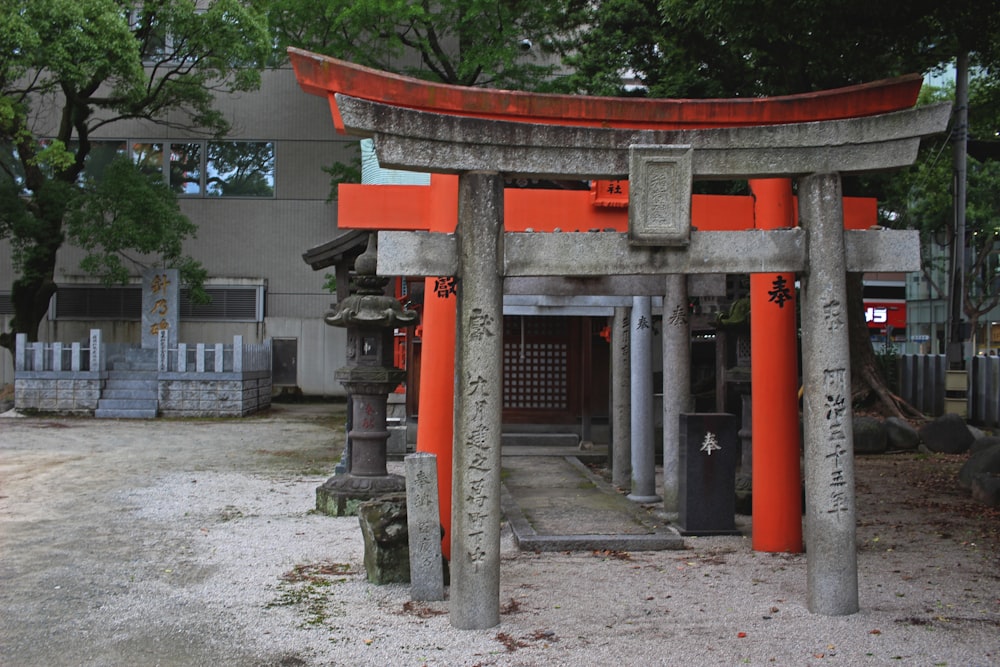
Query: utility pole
956,292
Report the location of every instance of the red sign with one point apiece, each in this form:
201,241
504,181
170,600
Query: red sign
881,314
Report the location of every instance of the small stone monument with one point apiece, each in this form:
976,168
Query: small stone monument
160,306
424,527
708,455
370,316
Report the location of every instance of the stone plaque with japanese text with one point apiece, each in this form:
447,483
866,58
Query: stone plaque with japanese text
160,306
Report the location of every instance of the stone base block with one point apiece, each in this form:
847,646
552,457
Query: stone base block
384,528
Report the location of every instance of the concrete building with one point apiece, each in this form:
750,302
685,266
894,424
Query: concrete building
252,232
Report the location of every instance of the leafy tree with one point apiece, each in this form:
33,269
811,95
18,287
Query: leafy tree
509,44
463,42
723,48
921,198
69,68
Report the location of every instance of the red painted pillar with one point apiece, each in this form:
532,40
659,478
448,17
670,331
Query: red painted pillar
777,500
435,427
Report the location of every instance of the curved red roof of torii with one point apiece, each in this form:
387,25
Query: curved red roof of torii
325,76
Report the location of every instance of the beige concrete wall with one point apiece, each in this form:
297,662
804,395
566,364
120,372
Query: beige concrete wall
249,240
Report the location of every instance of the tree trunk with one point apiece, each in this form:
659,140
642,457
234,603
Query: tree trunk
867,383
32,291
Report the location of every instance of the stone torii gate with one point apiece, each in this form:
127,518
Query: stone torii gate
661,165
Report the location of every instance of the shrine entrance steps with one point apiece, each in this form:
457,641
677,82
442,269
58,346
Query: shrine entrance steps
131,390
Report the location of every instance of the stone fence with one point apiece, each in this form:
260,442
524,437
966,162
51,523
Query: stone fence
41,357
927,384
54,377
214,380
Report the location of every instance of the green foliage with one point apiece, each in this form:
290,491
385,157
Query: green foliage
127,212
724,48
344,172
465,42
330,283
71,67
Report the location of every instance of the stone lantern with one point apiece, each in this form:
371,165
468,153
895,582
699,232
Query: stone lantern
370,317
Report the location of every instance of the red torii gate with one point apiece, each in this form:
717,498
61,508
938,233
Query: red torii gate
777,502
777,508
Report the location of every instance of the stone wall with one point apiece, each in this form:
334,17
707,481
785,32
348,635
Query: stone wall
213,395
52,391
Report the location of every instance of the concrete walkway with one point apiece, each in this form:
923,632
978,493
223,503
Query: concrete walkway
555,503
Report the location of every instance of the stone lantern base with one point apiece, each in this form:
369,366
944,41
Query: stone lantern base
340,495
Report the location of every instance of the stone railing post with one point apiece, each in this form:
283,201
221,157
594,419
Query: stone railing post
237,354
38,348
96,353
75,362
21,352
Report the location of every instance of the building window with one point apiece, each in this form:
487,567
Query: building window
186,168
240,169
195,168
6,304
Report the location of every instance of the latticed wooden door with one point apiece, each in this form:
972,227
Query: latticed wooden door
540,378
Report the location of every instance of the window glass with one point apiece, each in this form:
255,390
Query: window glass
10,166
186,168
149,158
100,156
240,169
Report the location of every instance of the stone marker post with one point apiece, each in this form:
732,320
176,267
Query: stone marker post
475,518
621,400
643,449
424,527
832,566
160,306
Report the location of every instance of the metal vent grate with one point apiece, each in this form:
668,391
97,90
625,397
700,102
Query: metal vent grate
228,303
94,302
98,303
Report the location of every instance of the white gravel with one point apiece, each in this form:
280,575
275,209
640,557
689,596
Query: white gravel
194,543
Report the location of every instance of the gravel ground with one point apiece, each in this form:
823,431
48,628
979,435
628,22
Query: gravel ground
193,542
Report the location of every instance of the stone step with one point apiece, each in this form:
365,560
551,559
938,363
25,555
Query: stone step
133,367
108,413
140,385
126,393
127,404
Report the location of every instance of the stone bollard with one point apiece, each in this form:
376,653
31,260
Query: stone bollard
383,526
423,520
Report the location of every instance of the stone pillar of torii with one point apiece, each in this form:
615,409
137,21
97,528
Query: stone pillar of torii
661,166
